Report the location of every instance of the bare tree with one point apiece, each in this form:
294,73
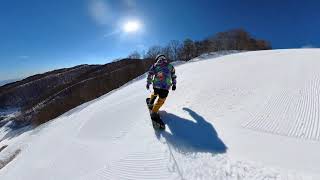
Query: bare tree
167,52
175,49
134,55
263,45
153,52
189,50
236,39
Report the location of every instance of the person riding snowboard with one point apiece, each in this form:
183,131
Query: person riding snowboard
162,77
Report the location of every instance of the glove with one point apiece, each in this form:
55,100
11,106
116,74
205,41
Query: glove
148,86
174,87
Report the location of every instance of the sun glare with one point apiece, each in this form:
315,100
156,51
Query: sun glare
131,26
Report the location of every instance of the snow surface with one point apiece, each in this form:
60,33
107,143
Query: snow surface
252,115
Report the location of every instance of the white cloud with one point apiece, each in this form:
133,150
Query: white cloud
111,15
112,33
100,12
23,57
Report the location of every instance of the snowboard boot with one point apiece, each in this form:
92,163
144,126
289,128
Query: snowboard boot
157,122
155,116
150,106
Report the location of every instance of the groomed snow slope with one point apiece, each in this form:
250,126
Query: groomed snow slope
252,115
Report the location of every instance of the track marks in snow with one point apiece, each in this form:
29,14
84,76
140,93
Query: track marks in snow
200,166
117,116
219,167
137,166
290,112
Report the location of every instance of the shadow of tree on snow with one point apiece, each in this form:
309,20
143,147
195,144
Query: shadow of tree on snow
188,136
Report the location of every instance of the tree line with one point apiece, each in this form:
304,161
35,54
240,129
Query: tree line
236,39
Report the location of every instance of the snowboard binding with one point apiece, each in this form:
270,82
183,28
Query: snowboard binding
157,123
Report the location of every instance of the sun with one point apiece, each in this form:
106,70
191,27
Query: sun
131,26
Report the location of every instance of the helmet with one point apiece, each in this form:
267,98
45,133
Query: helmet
161,58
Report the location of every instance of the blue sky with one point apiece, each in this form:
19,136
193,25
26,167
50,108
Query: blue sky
41,35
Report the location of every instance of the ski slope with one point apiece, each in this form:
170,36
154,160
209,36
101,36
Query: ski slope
252,115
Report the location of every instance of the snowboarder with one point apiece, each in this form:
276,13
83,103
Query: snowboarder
162,77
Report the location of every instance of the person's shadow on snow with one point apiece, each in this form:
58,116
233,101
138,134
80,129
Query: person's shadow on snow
188,137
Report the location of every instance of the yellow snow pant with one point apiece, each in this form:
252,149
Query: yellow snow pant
162,93
158,105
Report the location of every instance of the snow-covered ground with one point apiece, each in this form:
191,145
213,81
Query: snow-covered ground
252,115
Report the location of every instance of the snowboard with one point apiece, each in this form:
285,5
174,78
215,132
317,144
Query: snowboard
157,122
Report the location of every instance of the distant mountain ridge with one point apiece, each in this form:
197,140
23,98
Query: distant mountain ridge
46,96
4,82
